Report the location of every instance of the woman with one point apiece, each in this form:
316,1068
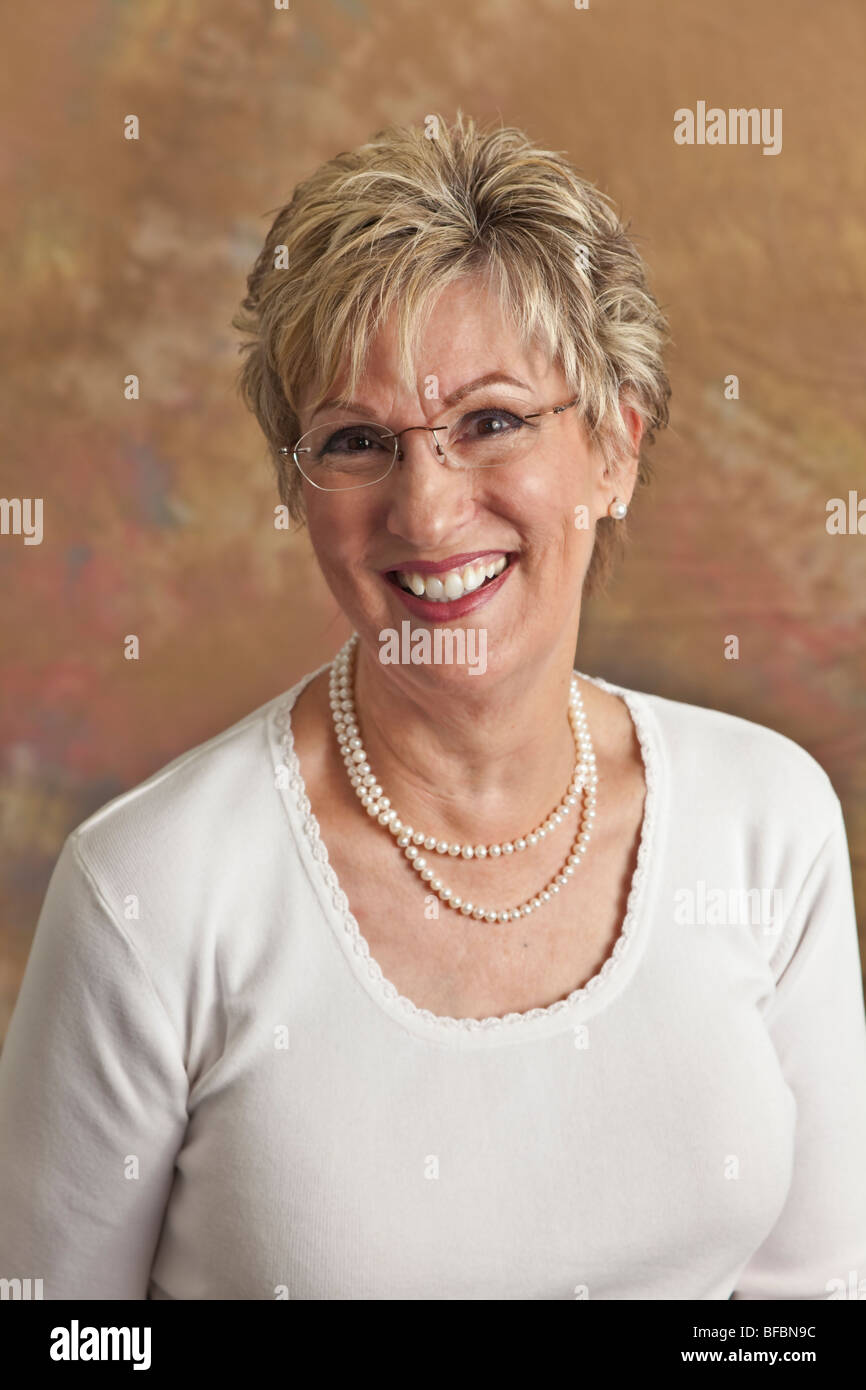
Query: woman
438,978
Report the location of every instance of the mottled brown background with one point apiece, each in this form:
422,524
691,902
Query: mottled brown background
130,257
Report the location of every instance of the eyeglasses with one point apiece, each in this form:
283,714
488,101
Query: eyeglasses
337,457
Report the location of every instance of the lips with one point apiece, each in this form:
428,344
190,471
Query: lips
453,583
447,590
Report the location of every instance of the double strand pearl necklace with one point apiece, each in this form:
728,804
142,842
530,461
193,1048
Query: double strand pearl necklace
411,841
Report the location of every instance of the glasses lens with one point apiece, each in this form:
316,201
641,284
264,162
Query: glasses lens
338,456
493,434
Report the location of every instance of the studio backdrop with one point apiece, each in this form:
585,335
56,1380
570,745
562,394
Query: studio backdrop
150,595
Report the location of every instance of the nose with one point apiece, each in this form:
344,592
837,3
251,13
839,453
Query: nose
431,434
428,500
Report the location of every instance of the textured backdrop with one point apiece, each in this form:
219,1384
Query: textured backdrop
129,257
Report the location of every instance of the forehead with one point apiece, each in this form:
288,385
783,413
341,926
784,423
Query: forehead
466,332
466,335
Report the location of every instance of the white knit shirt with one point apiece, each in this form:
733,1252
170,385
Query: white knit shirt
209,1091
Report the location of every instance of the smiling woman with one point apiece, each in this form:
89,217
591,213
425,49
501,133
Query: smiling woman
415,1002
379,233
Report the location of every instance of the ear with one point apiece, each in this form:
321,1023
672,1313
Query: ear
624,470
634,424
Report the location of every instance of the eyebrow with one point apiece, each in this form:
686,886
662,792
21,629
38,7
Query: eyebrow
491,379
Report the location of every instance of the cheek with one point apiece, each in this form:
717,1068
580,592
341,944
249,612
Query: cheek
340,531
542,500
335,528
552,508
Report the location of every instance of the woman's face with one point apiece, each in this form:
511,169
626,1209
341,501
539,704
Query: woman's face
427,518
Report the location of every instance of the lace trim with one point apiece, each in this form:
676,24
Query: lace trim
360,946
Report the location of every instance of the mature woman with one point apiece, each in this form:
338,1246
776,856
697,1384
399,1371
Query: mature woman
442,978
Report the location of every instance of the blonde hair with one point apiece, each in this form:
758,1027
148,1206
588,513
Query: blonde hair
386,227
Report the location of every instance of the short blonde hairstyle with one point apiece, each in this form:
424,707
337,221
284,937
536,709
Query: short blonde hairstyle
386,227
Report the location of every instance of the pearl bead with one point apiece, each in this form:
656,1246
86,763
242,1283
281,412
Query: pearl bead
583,784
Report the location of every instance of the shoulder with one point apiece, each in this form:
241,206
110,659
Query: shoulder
191,810
732,745
723,766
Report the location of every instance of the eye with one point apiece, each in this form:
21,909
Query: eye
353,439
489,423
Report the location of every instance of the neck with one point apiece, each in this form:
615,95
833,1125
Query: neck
463,763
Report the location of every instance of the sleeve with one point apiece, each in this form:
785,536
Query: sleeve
93,1096
817,1249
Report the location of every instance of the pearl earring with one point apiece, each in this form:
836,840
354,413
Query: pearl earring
617,509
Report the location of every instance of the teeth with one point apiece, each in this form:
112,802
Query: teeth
444,588
473,577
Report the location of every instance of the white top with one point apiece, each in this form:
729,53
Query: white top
209,1091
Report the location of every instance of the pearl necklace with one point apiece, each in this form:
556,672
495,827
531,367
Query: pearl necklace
369,792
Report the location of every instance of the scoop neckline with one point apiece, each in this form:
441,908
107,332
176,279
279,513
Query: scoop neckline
495,1030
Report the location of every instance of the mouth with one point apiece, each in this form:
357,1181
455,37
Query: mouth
440,594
